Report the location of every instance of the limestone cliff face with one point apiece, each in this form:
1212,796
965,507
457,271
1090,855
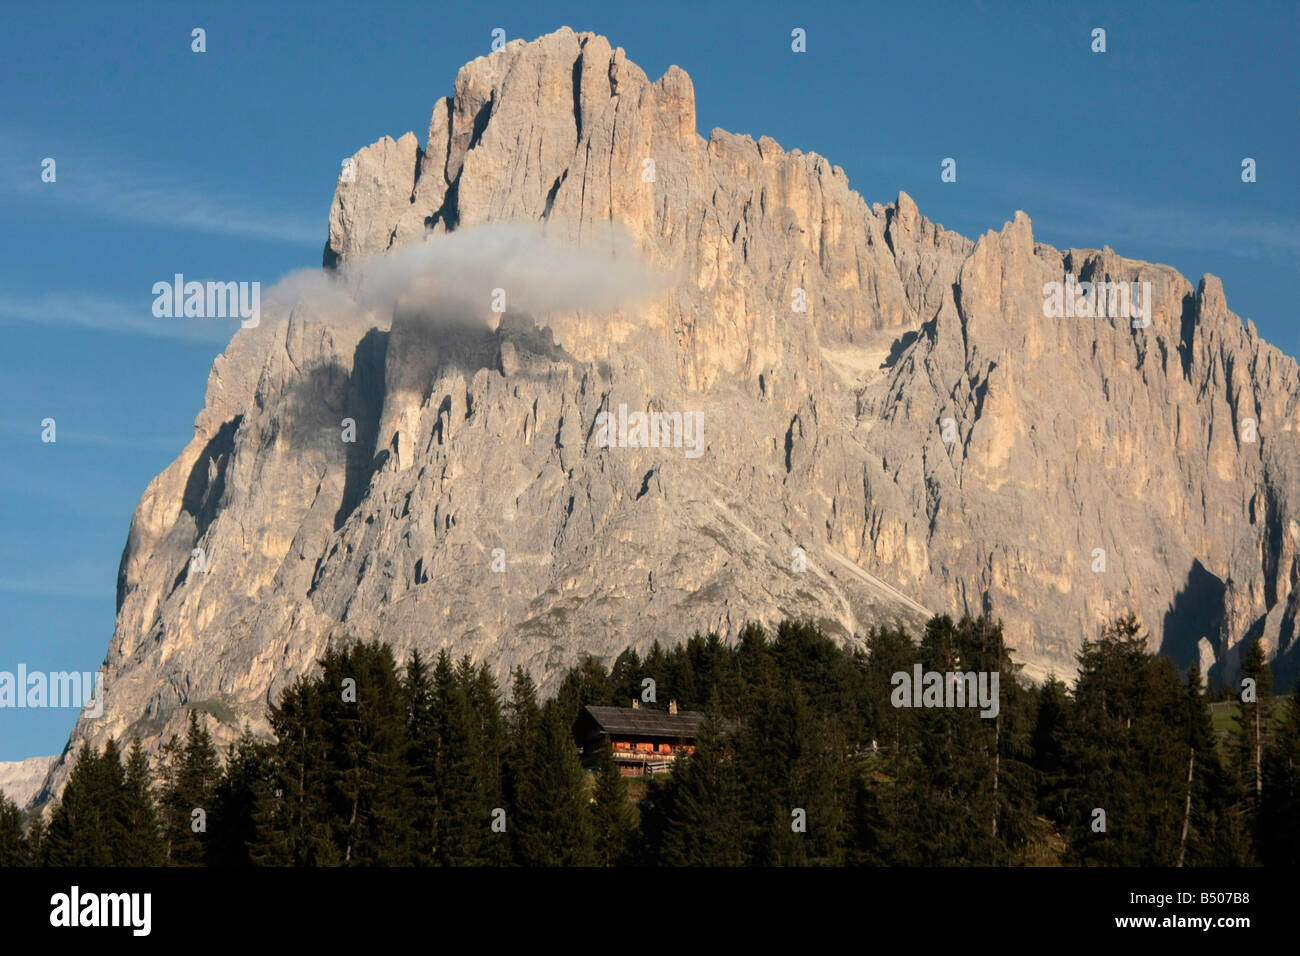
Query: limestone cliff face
823,430
21,780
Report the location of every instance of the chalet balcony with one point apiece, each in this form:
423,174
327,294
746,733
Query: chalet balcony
647,754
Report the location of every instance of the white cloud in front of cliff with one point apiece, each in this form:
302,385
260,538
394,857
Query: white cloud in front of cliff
455,277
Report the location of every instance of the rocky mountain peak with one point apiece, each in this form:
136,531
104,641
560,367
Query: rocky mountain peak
867,419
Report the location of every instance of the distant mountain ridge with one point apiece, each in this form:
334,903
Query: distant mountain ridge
921,439
21,780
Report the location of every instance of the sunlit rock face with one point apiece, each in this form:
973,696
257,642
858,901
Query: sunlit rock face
884,423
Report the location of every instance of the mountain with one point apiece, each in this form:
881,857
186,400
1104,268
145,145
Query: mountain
919,438
21,780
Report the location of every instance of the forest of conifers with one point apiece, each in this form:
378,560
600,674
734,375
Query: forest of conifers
429,763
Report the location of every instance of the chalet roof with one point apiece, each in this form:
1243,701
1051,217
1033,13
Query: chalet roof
645,722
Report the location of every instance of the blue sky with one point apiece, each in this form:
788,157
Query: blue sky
222,165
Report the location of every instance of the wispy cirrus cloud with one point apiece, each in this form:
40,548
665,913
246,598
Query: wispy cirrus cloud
1088,214
1114,219
103,314
134,190
55,589
127,439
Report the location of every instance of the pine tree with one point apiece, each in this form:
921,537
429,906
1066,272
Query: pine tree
678,679
523,717
551,821
656,666
829,678
955,798
13,841
891,729
585,684
421,759
465,818
493,744
1127,753
36,845
613,819
1003,743
1051,723
114,803
364,722
1278,827
881,821
792,763
718,677
755,663
696,816
625,678
190,796
143,844
81,831
245,779
1253,734
880,816
1207,824
291,816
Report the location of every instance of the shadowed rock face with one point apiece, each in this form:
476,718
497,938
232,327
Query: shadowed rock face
822,429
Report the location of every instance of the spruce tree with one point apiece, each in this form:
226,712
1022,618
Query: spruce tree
114,802
715,674
493,744
582,685
551,819
523,721
245,779
678,679
955,797
1207,784
291,816
465,818
1127,753
613,819
1278,826
144,845
656,666
190,796
892,729
1254,724
791,763
697,817
81,829
421,759
625,678
36,845
1051,723
756,664
13,840
364,721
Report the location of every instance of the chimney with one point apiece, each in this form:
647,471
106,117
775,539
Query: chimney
672,707
636,704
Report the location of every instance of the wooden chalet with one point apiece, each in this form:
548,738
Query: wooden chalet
643,741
